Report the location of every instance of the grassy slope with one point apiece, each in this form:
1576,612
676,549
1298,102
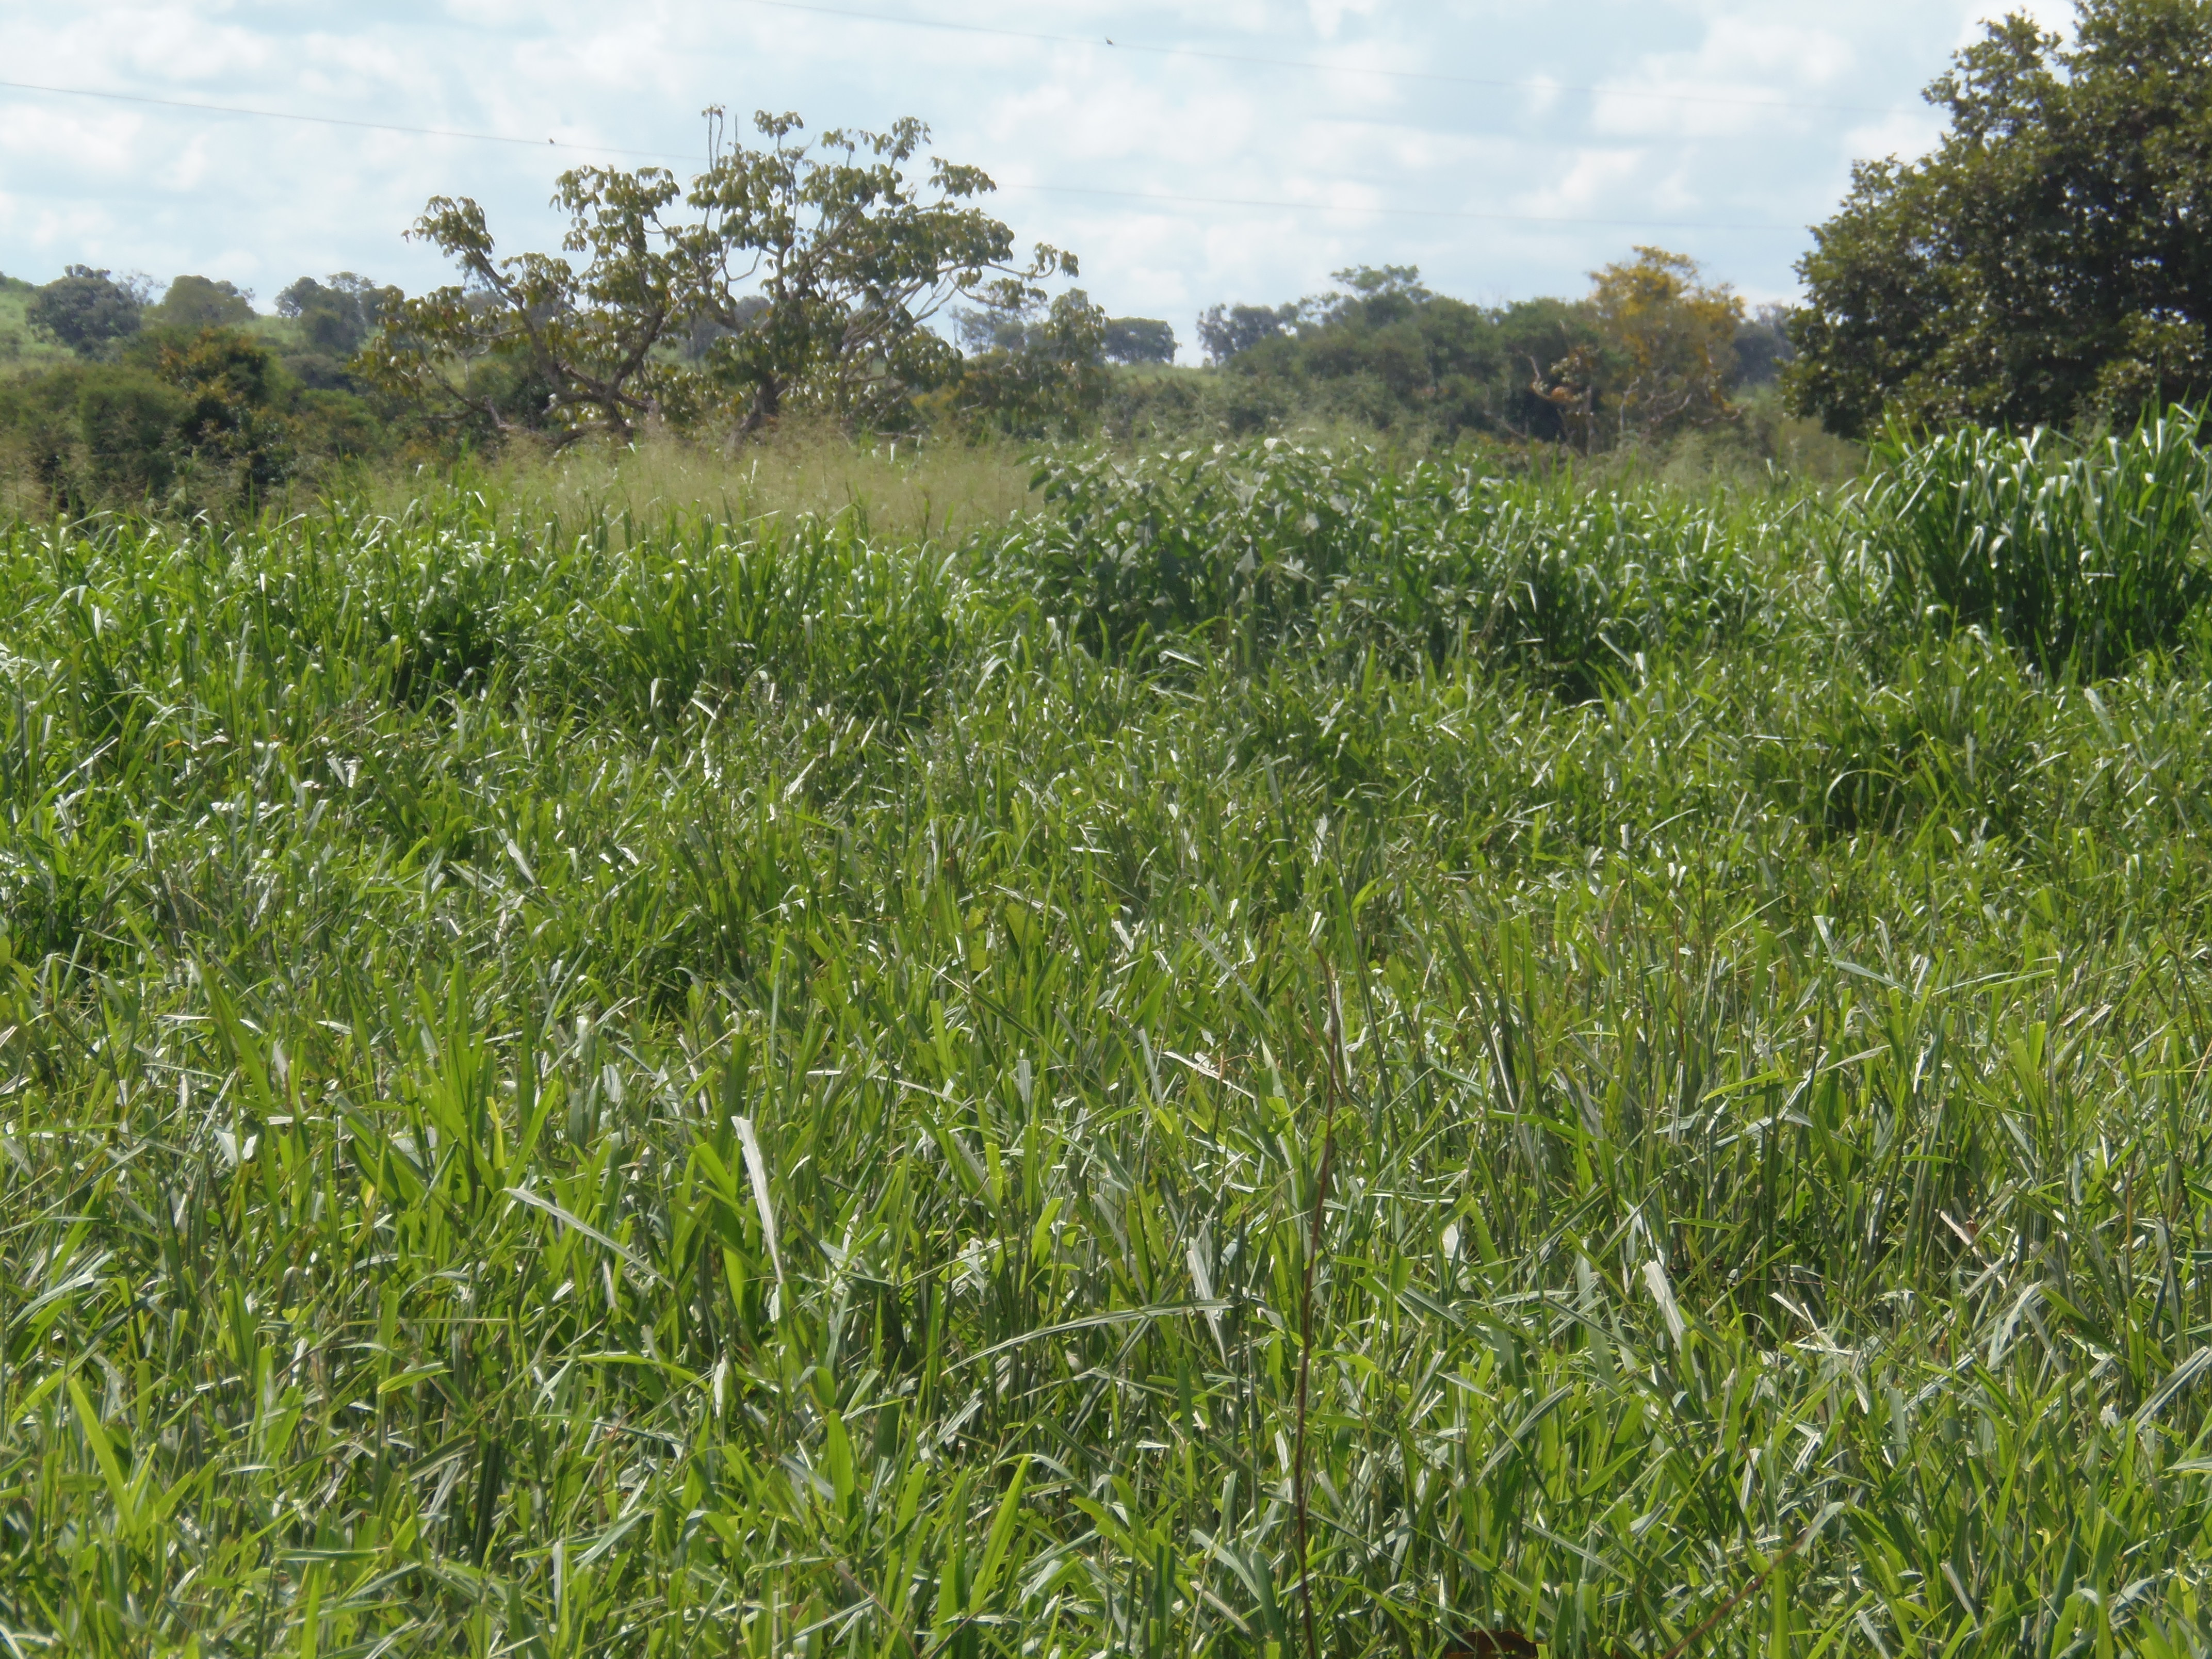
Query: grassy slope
21,351
727,1089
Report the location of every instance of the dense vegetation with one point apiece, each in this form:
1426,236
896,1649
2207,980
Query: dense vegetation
1279,1055
2044,264
197,403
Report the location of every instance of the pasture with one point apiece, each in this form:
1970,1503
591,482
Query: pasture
1255,1052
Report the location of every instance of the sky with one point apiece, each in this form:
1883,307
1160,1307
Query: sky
1239,150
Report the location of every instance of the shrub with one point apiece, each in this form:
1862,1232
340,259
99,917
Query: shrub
208,414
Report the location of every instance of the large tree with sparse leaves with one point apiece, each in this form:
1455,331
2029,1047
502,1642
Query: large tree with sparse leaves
791,274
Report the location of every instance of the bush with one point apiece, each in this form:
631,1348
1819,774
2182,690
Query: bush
183,419
92,434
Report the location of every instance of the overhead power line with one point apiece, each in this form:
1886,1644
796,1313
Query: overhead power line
1405,213
337,121
1054,189
1432,76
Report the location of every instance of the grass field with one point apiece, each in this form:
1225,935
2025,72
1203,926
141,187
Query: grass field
1268,1055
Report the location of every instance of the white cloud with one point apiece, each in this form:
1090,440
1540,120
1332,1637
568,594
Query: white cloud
136,186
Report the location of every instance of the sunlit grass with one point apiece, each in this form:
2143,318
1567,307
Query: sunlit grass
905,488
587,1073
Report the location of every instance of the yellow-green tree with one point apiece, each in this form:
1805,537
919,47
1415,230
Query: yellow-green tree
1664,356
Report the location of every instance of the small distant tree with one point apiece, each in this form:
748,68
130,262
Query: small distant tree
1226,331
1664,359
1139,340
198,302
1375,296
338,316
1036,369
86,310
233,415
1763,346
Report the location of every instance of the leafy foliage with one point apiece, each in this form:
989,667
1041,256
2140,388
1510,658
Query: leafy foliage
1032,369
612,1088
1227,331
585,336
852,260
180,419
335,318
1648,353
86,310
1139,340
1664,354
2046,263
193,303
809,273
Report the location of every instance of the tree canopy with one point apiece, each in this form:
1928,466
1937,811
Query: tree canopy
1228,331
1663,355
801,271
197,302
1139,340
86,310
2048,261
1649,352
338,316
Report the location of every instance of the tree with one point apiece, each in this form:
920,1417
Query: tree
197,302
585,336
1676,335
234,391
86,310
1139,340
1663,359
207,413
1763,346
337,317
1226,331
1035,370
1381,350
806,272
853,261
2048,260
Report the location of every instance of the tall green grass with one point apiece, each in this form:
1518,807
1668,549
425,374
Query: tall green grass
605,1085
2082,554
1278,545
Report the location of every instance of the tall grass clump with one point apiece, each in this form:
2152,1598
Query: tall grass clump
593,1084
2078,555
1272,544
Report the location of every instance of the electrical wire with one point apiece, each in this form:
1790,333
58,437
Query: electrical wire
1055,189
1431,76
337,121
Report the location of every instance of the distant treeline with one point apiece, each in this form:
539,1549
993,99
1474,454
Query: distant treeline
1652,350
120,396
